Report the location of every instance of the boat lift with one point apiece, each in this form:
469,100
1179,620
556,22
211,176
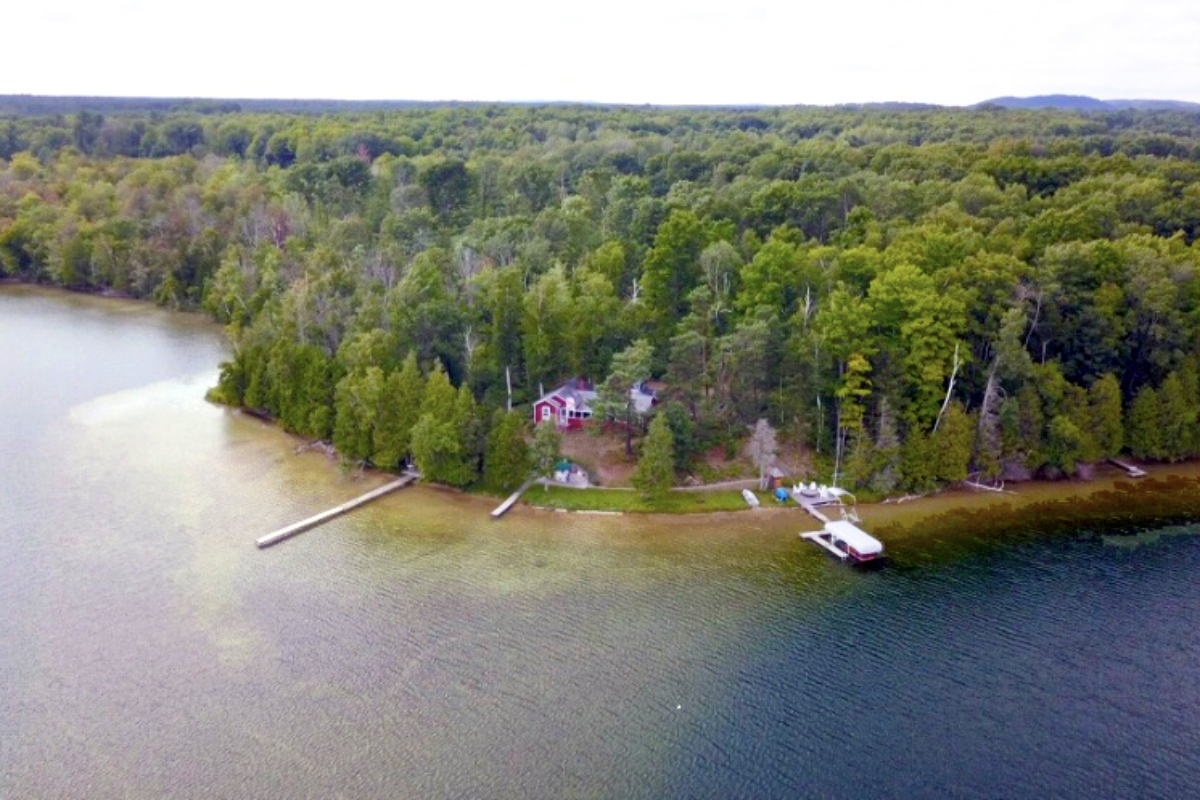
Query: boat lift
839,536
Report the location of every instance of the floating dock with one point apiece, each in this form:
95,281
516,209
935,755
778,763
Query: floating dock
304,524
503,508
1134,472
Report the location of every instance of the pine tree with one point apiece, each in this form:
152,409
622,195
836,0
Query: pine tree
656,466
1107,425
1189,378
440,397
357,398
612,397
471,435
687,368
886,451
1176,417
918,461
506,463
437,451
1079,412
409,397
858,463
438,438
389,442
1065,444
671,270
952,443
399,407
1144,427
1031,424
683,430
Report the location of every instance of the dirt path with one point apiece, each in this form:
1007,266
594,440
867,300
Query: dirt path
602,455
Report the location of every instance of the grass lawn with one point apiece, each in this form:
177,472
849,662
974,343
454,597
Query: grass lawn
630,500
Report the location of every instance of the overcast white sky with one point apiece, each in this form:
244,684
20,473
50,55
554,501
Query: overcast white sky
953,52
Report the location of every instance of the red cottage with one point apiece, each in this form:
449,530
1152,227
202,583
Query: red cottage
568,405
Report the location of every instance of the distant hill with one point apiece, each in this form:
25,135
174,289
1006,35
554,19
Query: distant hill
1155,105
24,104
34,105
1070,102
892,105
1075,102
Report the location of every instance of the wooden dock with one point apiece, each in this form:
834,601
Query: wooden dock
503,508
304,524
812,510
1134,472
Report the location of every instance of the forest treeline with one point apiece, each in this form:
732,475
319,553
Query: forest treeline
918,295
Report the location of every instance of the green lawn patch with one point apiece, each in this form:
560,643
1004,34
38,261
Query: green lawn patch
630,500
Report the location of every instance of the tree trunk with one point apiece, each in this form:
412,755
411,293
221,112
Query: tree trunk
986,459
949,390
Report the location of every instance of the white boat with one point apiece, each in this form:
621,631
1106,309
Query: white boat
847,541
750,497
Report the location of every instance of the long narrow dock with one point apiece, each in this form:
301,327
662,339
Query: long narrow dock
304,524
812,510
503,508
1134,472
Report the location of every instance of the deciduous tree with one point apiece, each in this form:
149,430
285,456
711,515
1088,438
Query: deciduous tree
763,449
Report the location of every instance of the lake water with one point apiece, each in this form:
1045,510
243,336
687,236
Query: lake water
414,649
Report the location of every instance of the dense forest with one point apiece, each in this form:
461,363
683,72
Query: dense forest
917,295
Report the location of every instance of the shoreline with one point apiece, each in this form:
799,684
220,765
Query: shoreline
114,294
895,519
1110,496
961,524
1031,492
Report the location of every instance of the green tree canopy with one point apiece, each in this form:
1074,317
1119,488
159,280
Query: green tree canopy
507,461
656,464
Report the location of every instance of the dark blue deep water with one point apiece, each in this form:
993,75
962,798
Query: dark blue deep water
1065,668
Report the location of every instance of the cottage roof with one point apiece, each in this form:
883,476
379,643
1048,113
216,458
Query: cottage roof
578,390
642,396
574,392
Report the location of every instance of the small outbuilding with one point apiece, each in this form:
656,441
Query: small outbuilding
772,479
